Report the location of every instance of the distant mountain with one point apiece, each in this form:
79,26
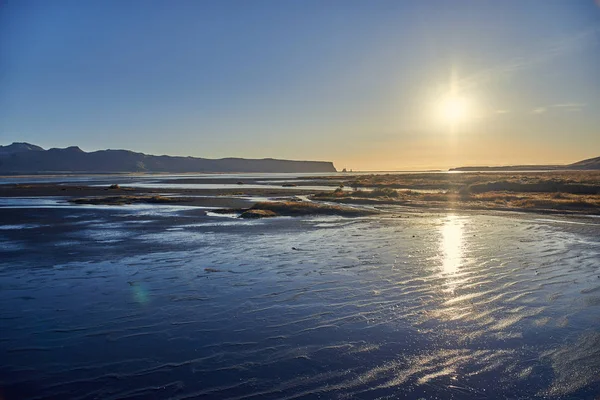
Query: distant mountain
589,164
19,147
27,158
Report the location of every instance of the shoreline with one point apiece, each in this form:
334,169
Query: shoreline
562,193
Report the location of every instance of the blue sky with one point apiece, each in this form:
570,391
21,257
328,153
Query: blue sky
353,82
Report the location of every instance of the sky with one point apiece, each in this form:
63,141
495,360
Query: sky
369,85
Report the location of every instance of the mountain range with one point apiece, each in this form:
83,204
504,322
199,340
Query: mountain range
19,158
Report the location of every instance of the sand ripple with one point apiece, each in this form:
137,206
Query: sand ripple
461,306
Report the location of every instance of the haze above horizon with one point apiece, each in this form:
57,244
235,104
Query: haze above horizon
387,85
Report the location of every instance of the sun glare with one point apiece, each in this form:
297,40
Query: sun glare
453,110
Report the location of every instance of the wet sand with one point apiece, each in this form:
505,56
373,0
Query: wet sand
175,301
166,302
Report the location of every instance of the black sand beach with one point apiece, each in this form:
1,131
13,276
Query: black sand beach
174,300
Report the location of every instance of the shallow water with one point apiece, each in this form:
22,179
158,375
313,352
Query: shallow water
214,186
111,178
124,303
127,178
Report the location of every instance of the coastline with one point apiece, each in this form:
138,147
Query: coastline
561,193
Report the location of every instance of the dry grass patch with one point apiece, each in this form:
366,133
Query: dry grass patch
582,182
299,208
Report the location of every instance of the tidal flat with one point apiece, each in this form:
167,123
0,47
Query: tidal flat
176,301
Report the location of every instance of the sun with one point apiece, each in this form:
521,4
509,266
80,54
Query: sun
454,110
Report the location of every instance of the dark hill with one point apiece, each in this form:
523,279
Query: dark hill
589,164
28,158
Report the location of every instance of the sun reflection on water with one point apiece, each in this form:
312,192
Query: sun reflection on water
451,251
451,245
452,272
